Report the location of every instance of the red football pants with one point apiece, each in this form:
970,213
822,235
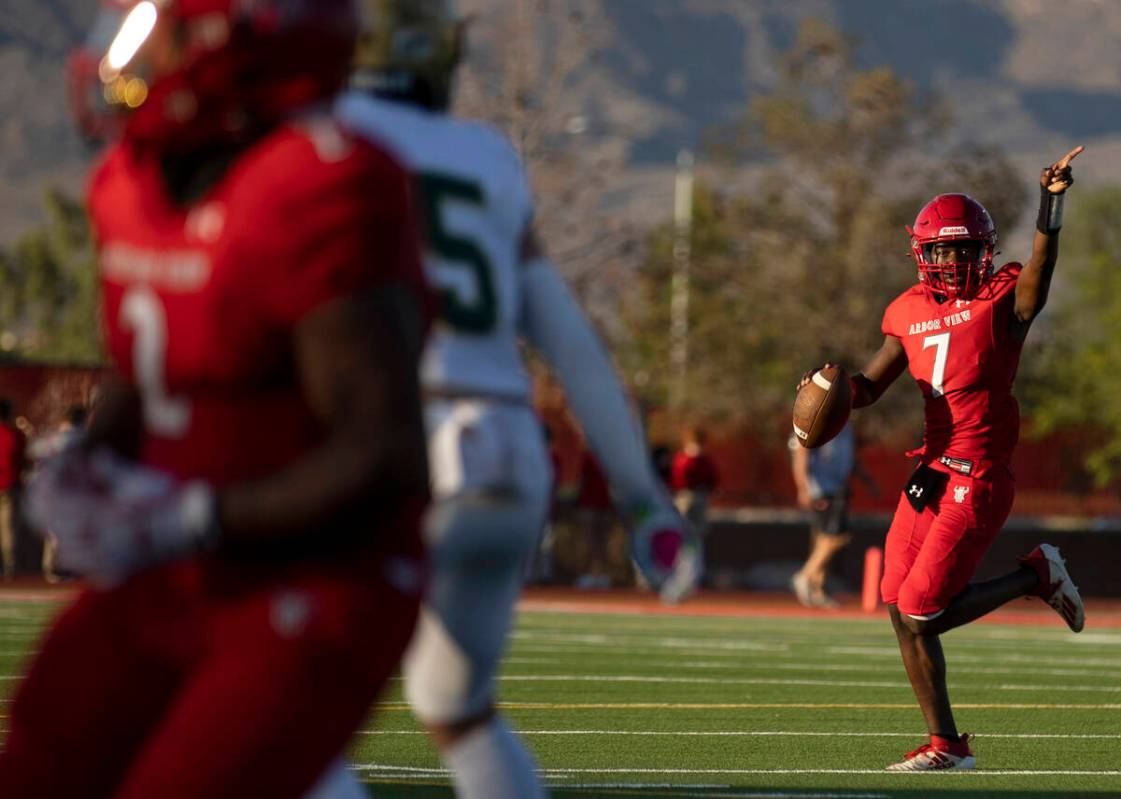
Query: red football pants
159,688
930,557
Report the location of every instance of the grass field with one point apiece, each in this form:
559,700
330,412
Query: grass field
634,704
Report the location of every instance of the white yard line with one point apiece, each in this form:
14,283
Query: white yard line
893,668
985,638
774,733
402,706
955,657
677,788
657,641
659,680
555,772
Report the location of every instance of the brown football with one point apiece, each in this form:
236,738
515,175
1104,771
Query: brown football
822,407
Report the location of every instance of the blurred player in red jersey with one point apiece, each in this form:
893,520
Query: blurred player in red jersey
256,565
960,332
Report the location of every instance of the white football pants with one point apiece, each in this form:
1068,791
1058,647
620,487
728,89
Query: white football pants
492,482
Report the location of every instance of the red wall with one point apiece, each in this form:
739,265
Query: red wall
1049,476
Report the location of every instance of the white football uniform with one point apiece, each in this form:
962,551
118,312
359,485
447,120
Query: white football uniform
490,471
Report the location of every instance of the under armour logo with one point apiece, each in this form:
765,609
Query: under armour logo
959,493
962,303
915,491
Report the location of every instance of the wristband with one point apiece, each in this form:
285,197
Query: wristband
1050,218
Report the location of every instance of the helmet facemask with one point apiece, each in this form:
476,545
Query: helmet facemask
954,269
953,242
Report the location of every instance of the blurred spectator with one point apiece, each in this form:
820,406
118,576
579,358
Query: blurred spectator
693,478
596,517
12,445
822,477
68,431
662,458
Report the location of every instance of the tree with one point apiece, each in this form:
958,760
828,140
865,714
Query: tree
1078,384
48,288
525,76
799,269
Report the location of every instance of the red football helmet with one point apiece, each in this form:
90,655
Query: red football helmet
180,74
960,218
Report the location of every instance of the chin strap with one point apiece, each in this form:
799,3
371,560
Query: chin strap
1050,218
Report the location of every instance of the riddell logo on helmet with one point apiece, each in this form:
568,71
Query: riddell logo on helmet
956,230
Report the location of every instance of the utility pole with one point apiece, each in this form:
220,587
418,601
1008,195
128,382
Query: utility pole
679,287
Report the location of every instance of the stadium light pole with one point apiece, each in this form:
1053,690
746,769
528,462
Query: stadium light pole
679,286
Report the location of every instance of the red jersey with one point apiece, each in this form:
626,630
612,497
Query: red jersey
11,455
693,472
964,355
200,302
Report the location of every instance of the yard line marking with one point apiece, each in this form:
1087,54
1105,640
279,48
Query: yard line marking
638,678
1109,639
436,770
557,781
893,652
555,772
662,642
773,733
745,660
893,668
978,773
395,706
675,790
985,639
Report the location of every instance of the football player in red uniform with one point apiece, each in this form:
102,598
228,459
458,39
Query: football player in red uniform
256,564
960,332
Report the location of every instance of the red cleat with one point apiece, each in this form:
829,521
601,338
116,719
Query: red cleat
938,755
1055,586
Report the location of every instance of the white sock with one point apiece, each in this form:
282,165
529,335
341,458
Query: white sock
338,782
490,762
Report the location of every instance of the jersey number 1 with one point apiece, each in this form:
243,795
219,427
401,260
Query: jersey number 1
143,313
941,344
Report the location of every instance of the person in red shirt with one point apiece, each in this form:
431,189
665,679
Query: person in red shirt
960,332
596,515
693,478
246,503
12,447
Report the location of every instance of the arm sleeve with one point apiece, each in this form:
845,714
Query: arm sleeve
554,324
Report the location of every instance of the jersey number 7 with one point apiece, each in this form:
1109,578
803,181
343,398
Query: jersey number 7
941,343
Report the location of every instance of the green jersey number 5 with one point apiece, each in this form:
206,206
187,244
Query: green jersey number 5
472,311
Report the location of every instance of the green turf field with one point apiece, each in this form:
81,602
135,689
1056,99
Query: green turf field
674,706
